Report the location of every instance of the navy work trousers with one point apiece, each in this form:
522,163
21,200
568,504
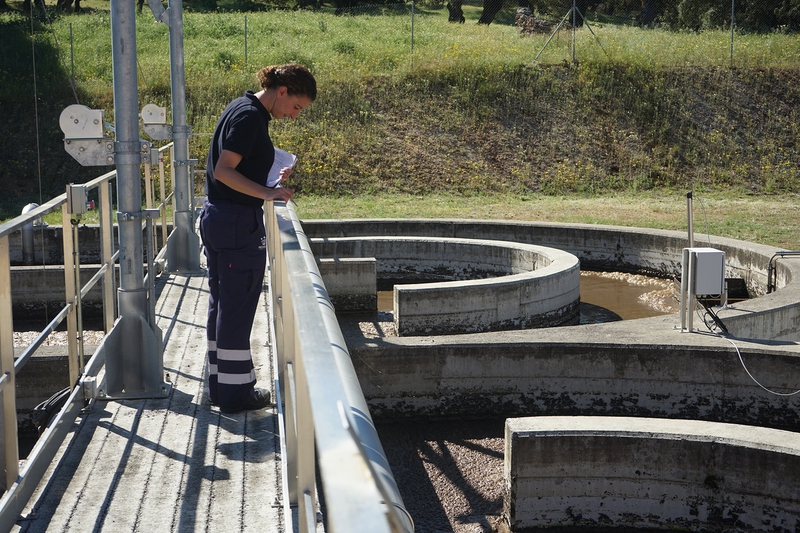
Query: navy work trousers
235,247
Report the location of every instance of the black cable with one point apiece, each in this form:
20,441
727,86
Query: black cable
717,320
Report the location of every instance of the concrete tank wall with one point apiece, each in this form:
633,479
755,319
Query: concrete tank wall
775,316
38,292
594,472
497,285
649,370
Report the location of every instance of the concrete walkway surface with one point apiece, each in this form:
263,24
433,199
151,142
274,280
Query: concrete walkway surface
175,464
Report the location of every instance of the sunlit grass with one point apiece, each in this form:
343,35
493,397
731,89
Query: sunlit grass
737,217
340,47
462,108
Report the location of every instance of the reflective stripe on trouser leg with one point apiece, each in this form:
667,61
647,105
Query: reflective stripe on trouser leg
238,366
211,365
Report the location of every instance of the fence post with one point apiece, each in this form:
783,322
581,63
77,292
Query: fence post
70,289
106,256
9,408
733,25
412,30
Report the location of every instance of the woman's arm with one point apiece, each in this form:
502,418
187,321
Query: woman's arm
225,172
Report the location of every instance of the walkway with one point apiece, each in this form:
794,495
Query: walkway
174,464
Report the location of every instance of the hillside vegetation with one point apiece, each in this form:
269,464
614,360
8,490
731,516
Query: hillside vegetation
470,111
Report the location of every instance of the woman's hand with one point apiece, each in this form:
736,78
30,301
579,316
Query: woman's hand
281,194
285,173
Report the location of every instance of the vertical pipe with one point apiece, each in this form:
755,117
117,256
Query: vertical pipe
245,40
134,369
69,293
28,241
162,182
76,252
127,148
183,248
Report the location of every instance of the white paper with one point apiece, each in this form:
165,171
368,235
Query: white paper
283,159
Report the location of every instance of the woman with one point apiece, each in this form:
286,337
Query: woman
232,227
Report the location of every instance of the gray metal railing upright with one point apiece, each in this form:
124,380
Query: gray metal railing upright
322,397
19,482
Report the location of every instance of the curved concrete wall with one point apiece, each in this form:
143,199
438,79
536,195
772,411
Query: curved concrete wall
651,370
507,285
775,316
592,472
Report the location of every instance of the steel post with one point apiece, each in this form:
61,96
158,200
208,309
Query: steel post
134,367
183,246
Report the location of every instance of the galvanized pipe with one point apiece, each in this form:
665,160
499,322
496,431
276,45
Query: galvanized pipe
183,248
134,369
28,254
131,293
127,150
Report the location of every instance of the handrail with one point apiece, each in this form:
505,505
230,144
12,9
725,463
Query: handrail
19,483
772,268
321,394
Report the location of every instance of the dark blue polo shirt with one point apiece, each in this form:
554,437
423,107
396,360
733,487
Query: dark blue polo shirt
243,128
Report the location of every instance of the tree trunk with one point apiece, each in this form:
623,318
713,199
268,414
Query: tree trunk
583,6
649,8
490,9
456,13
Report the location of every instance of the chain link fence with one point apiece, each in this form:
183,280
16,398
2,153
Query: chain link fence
740,19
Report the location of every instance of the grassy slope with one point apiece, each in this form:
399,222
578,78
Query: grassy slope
469,126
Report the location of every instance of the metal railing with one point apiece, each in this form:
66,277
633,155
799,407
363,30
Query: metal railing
322,396
20,481
317,382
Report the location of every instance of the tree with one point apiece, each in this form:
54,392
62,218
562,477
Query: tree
649,12
492,7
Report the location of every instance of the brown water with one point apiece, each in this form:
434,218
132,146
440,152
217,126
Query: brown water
611,296
607,297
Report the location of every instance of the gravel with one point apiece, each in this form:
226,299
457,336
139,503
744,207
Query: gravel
56,338
450,473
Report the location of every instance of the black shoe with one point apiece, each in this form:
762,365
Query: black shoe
257,399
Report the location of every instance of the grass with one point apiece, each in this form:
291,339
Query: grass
773,221
471,119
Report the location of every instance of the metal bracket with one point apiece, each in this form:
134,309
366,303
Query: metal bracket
155,125
158,132
188,162
91,152
153,214
147,157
